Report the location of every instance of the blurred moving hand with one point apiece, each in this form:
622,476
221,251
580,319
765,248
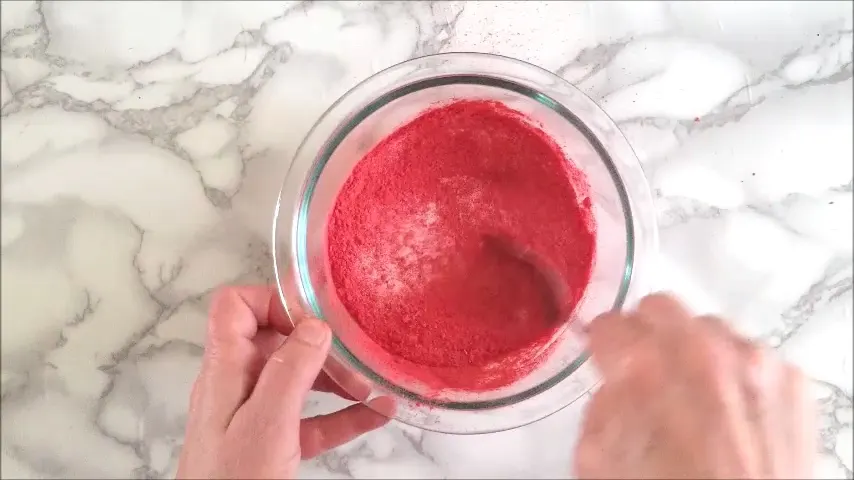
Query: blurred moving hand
686,397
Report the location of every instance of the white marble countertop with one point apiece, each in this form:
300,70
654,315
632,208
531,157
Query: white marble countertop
143,145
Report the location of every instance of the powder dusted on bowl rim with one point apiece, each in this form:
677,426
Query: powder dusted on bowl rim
410,250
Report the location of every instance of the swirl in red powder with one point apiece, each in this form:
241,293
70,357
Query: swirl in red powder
410,252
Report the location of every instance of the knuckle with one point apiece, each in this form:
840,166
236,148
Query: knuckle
718,338
605,317
714,319
219,303
278,358
296,352
214,357
710,360
286,354
658,301
303,344
603,321
221,296
718,325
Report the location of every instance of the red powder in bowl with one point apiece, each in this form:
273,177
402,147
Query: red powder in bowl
410,252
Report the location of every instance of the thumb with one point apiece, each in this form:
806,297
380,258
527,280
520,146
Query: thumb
289,373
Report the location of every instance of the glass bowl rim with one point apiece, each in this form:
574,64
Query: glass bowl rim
298,251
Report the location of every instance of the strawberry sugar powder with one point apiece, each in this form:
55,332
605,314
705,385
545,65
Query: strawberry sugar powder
411,259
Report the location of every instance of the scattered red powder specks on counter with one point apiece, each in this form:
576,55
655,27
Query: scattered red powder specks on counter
410,255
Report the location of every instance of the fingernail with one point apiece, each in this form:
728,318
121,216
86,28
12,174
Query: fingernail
311,331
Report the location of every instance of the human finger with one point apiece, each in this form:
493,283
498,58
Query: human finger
708,359
287,378
760,378
797,413
600,429
231,360
667,318
268,340
611,339
237,312
729,369
732,356
354,384
323,432
724,330
323,383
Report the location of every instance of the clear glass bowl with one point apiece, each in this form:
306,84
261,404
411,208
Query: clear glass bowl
355,123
